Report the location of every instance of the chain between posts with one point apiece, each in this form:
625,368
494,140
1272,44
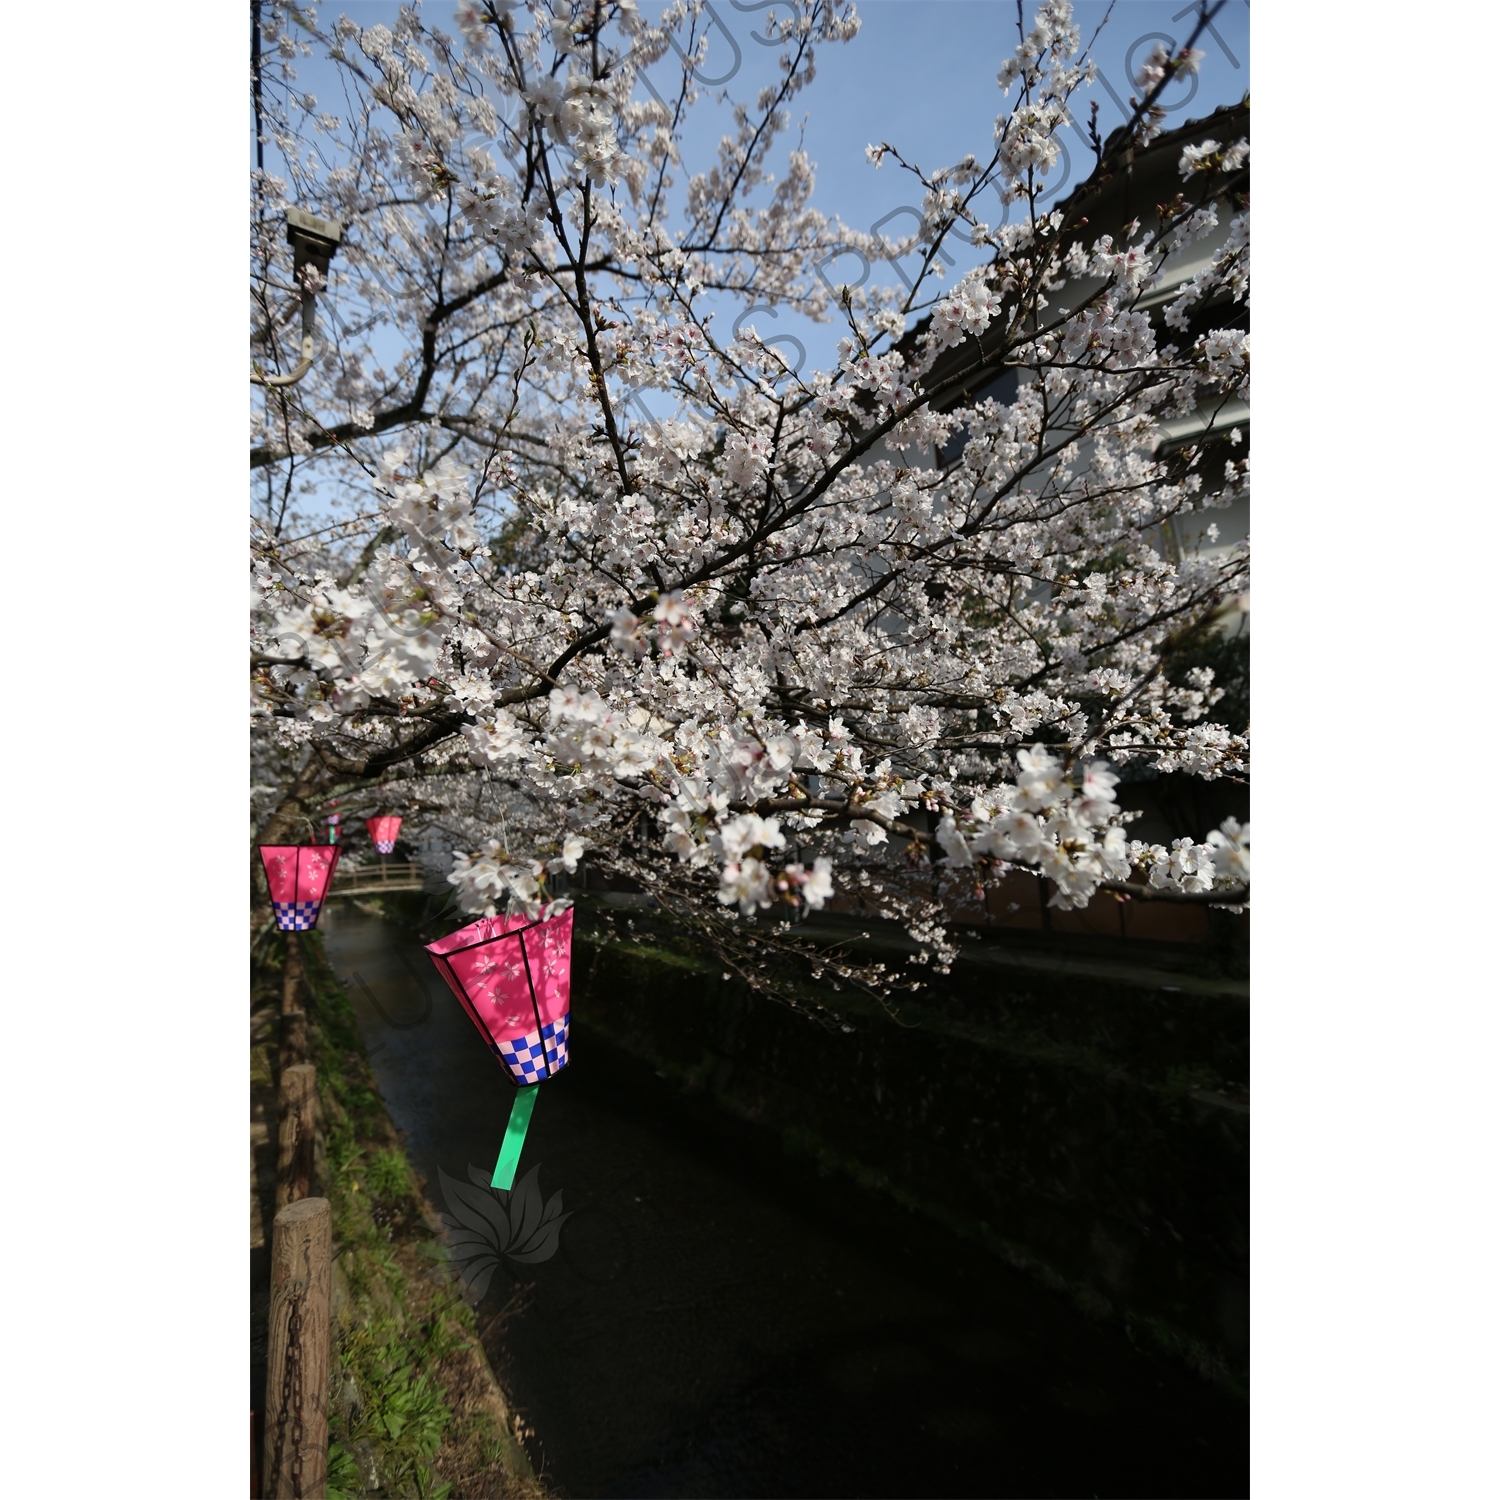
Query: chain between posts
293,1381
291,1399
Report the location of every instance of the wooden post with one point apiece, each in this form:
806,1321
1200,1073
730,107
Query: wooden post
294,1154
295,1456
291,974
293,1038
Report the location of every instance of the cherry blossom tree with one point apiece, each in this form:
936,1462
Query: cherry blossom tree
773,646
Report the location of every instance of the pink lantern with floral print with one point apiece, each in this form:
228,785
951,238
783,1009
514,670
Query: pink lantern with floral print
299,876
383,833
513,976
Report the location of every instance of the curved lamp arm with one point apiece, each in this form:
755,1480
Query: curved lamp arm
313,241
309,322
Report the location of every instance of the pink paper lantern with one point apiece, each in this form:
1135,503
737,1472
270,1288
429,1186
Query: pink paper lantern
383,833
514,978
299,876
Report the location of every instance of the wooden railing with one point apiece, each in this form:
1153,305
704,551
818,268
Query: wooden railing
371,879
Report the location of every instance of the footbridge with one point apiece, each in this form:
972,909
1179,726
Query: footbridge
372,879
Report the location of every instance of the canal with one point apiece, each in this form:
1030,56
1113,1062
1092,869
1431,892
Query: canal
718,1320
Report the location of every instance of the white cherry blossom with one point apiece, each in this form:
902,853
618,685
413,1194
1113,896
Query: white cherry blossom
543,549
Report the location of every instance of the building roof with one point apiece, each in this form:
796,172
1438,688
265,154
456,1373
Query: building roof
1129,181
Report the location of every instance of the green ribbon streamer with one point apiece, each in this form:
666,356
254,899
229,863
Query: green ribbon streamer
515,1138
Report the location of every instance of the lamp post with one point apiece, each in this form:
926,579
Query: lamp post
314,242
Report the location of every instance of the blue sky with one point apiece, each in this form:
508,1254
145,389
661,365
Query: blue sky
921,75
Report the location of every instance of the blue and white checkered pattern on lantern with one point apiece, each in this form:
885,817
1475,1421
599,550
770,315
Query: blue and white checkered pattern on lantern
296,916
523,1055
385,846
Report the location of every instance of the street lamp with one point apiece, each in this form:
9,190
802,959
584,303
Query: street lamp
313,241
513,976
383,833
299,876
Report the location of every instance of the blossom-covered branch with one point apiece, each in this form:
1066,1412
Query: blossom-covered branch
775,644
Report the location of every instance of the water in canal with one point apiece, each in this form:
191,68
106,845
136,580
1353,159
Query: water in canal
721,1321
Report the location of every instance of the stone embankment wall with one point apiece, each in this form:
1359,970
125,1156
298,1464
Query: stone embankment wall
1087,1119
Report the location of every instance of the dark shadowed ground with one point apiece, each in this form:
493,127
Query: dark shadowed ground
721,1321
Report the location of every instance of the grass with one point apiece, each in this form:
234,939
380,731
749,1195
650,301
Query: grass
413,1410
